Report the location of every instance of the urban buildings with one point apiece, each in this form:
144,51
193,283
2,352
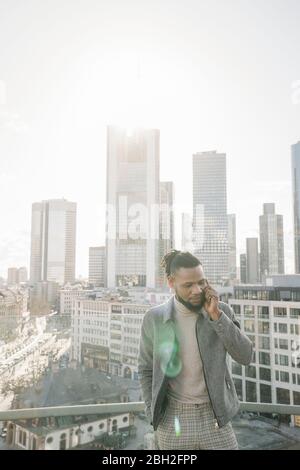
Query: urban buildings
232,246
106,335
97,262
271,241
210,222
53,241
252,260
133,201
296,202
270,316
16,276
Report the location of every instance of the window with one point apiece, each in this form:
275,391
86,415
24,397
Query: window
249,310
264,358
239,388
49,440
265,374
236,309
283,396
251,371
283,343
295,312
90,429
279,311
263,312
249,326
263,327
283,328
264,342
296,397
101,425
283,360
284,376
125,419
251,391
236,368
265,393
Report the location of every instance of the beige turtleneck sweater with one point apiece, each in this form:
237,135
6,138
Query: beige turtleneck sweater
189,385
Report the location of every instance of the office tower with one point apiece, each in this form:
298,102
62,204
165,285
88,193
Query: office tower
243,268
210,222
232,245
271,241
252,260
53,241
22,274
133,201
166,224
187,232
296,202
97,266
12,276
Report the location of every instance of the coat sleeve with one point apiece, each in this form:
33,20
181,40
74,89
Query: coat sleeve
145,362
237,344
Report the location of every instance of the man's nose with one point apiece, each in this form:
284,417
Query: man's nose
196,289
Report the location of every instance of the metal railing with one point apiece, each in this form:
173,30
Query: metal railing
125,407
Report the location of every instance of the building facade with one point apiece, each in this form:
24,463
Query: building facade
133,201
210,222
53,241
97,276
106,335
271,241
270,317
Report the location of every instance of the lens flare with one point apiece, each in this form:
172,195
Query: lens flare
177,427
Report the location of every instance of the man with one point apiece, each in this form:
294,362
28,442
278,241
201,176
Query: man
187,387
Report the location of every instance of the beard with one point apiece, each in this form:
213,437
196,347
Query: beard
194,308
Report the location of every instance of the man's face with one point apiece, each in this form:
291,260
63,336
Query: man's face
189,284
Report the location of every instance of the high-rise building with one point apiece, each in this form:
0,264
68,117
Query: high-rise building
133,202
12,276
271,241
243,268
166,223
23,275
232,245
97,265
187,232
210,223
53,241
252,260
269,316
296,202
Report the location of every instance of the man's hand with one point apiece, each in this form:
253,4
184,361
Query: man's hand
211,304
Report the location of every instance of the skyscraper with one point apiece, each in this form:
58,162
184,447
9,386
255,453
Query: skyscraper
97,265
252,260
296,202
232,245
210,223
53,241
271,241
133,201
187,232
166,223
243,268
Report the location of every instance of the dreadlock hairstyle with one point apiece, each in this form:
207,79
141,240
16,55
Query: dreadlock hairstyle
176,259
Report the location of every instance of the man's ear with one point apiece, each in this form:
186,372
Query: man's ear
170,280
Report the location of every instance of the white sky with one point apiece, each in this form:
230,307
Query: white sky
211,75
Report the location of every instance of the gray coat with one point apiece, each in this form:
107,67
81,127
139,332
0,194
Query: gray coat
215,340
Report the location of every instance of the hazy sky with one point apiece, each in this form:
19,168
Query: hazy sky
211,75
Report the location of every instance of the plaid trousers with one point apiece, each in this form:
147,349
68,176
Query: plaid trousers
192,426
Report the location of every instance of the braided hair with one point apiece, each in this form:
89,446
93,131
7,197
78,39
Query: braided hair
176,259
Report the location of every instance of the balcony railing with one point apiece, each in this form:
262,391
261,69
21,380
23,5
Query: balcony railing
105,408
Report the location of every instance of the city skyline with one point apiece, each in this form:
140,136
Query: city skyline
210,91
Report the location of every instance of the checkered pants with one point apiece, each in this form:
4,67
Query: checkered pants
192,426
